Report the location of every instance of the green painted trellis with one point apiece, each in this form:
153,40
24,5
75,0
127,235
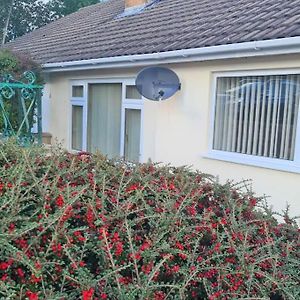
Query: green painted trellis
20,108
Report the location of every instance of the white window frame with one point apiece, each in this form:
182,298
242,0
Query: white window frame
246,159
137,104
79,101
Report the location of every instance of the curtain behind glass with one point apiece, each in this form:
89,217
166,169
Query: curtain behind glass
132,134
132,92
104,118
77,122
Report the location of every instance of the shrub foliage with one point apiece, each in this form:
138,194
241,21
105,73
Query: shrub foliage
16,64
84,227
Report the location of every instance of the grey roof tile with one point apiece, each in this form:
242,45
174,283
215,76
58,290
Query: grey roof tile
100,30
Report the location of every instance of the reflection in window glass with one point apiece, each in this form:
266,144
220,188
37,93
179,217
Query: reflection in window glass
132,92
77,91
257,115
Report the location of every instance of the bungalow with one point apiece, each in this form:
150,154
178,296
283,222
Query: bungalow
236,115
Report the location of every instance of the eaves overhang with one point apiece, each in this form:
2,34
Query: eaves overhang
238,50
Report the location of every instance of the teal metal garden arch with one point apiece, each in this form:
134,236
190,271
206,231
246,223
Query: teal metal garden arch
21,108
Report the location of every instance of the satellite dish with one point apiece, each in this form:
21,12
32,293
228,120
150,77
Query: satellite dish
157,83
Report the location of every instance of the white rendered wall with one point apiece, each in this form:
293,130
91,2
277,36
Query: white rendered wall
177,131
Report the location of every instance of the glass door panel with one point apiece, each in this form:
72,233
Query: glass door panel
104,118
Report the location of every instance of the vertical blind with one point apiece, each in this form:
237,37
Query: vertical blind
77,91
104,118
257,115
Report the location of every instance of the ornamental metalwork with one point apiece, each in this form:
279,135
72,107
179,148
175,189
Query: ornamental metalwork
20,109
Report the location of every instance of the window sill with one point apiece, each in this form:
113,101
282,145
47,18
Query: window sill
256,161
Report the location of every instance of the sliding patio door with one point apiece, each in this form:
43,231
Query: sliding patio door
104,118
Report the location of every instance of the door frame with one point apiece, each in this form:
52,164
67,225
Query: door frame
127,103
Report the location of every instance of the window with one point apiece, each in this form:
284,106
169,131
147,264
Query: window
77,127
107,117
257,116
132,134
78,117
77,91
132,92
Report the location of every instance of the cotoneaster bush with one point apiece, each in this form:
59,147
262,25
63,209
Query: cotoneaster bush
84,227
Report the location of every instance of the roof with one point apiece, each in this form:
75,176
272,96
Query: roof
101,31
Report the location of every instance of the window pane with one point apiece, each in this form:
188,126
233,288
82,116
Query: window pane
77,123
132,92
77,91
132,134
257,115
104,118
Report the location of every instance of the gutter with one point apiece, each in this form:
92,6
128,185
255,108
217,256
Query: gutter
238,50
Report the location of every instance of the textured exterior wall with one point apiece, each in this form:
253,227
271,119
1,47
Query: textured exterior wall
177,131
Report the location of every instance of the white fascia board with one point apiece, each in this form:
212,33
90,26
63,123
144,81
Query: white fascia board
239,50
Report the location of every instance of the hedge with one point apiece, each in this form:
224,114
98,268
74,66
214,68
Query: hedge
80,226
